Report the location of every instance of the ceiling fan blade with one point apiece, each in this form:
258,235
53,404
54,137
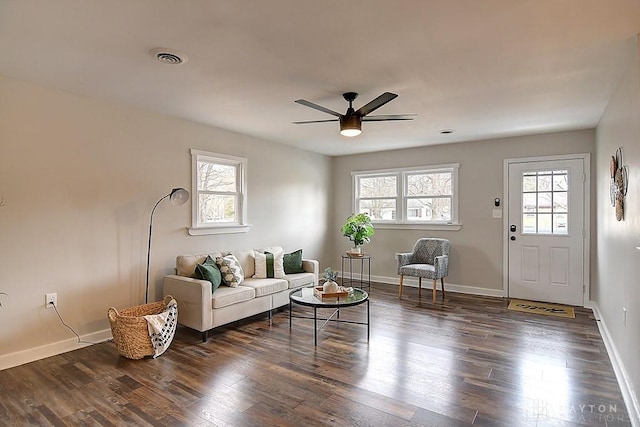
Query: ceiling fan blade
315,121
317,107
389,117
376,103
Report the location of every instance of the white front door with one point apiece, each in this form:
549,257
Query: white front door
546,231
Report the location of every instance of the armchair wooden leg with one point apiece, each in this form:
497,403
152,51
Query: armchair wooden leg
434,291
400,292
442,282
420,287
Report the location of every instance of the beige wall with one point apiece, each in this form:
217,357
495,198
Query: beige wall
477,249
79,178
617,280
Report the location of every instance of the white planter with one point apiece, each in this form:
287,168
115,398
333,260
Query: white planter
357,250
330,287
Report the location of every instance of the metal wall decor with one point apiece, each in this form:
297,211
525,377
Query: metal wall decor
619,181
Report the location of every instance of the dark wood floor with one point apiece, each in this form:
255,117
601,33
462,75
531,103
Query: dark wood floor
468,361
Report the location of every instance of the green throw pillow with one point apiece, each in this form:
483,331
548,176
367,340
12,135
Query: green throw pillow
208,270
293,262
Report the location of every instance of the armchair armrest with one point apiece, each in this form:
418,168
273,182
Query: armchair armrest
194,300
441,266
403,259
312,266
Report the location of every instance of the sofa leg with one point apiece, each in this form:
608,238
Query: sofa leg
400,293
205,336
419,287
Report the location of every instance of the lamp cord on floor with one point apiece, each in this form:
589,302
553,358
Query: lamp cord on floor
80,341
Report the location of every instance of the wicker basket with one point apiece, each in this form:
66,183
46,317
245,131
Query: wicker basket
130,331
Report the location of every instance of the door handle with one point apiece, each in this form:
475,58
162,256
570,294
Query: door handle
512,228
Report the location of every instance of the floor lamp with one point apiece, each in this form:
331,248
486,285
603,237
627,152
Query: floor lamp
178,196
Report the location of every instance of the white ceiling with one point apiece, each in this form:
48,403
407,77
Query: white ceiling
486,69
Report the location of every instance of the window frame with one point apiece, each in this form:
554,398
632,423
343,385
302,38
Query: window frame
401,221
239,225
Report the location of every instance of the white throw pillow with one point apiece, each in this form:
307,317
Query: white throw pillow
230,269
269,265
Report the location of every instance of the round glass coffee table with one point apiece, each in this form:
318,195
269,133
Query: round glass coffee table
305,296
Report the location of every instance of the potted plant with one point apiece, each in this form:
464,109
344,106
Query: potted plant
359,230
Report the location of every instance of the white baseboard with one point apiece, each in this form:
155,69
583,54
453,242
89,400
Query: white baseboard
32,354
449,287
630,399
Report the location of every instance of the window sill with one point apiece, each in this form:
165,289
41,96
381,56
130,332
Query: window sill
409,226
219,229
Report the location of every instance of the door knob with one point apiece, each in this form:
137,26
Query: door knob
512,228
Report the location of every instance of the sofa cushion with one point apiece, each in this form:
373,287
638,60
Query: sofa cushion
246,260
293,262
186,264
300,279
208,270
224,295
269,265
232,274
266,286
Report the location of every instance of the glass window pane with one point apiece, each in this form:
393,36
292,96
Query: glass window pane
560,224
544,182
379,186
544,202
529,223
528,183
559,202
431,184
380,210
529,202
561,182
429,209
215,208
544,223
216,177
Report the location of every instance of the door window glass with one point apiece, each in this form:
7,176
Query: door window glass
544,202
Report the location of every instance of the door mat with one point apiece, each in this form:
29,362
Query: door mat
542,308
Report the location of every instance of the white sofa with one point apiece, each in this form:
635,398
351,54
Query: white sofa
202,310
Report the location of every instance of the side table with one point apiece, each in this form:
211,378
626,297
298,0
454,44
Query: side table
352,277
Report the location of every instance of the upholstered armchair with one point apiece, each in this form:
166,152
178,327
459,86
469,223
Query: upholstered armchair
429,259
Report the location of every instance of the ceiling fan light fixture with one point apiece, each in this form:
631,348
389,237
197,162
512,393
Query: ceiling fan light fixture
350,126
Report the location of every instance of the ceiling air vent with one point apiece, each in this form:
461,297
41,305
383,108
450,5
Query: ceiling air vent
169,56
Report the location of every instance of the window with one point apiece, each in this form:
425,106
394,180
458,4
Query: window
219,195
545,202
425,195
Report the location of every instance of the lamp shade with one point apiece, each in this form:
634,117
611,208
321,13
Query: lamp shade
178,196
350,125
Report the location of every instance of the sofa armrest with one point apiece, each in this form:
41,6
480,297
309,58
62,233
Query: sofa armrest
312,266
194,300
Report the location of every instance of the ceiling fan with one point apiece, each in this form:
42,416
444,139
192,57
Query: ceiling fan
351,121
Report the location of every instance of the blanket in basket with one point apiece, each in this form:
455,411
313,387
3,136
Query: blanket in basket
162,327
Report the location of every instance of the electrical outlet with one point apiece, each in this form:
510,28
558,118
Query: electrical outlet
50,300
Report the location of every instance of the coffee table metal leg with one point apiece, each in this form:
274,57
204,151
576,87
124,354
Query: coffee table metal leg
368,321
315,326
290,314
